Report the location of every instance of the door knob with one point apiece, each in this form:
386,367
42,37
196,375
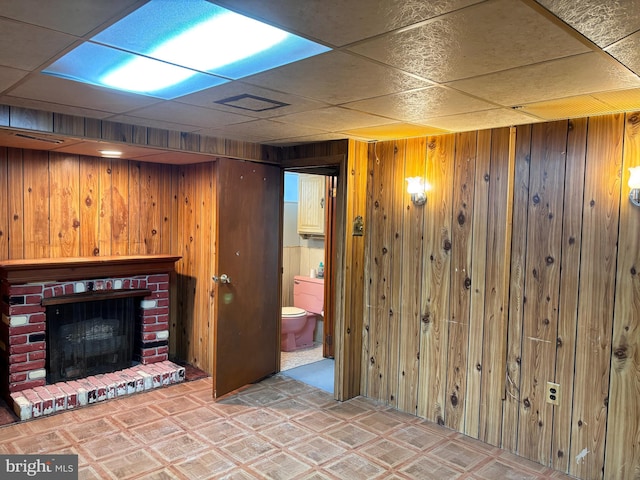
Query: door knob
224,278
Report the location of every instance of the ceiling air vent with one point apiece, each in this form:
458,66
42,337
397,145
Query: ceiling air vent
251,102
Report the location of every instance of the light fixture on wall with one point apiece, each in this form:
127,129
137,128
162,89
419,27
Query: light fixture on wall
634,185
417,188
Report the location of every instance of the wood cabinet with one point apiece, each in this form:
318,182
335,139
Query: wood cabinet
311,212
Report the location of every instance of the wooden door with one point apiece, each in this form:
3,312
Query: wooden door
247,309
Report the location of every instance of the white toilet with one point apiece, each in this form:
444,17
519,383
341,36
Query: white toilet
299,321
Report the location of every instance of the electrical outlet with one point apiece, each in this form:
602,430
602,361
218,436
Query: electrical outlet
553,393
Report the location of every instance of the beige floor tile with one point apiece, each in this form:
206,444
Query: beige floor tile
319,450
280,467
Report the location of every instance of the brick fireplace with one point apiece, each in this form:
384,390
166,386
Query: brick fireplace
30,287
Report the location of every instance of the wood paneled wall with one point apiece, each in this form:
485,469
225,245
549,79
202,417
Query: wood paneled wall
521,269
63,205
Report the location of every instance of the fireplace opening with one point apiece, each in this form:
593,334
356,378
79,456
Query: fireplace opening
89,337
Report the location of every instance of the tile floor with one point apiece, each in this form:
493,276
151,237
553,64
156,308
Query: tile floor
277,429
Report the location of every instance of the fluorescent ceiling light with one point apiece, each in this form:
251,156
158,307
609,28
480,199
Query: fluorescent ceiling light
167,49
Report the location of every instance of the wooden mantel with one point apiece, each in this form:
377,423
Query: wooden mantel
16,272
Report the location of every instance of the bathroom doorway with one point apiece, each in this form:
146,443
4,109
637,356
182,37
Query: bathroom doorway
309,196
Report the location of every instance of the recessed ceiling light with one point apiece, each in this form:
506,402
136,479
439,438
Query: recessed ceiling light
167,49
110,153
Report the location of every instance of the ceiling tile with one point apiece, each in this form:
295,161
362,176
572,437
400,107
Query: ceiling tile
188,115
627,52
27,47
208,98
581,106
501,117
9,76
621,99
335,78
484,38
261,131
394,131
567,77
334,119
67,92
74,17
418,104
340,22
52,107
601,21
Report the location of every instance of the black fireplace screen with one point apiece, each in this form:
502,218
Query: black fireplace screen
89,338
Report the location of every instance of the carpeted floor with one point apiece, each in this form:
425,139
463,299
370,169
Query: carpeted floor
304,356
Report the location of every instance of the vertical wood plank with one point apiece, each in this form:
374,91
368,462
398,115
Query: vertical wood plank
380,268
411,281
206,258
597,287
89,230
36,204
166,209
370,229
542,286
119,208
497,286
4,203
511,411
106,215
150,219
136,246
622,459
64,204
436,278
397,253
349,324
478,283
460,300
15,180
570,273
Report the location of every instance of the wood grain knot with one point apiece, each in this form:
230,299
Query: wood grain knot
527,403
579,423
633,270
550,260
384,250
560,454
426,319
447,245
96,252
461,219
467,283
440,420
536,199
478,367
621,353
88,202
486,177
372,360
454,399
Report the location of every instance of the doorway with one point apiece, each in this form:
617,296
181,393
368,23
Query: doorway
308,222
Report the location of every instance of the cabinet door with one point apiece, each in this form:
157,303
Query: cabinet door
311,190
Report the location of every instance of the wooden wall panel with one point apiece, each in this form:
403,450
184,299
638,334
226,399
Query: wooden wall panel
4,203
570,274
395,279
15,179
105,220
150,206
135,218
89,205
511,410
542,286
64,205
478,283
120,207
436,278
597,288
497,286
460,300
411,281
623,428
380,271
36,240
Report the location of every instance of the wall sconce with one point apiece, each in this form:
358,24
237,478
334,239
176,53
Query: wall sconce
634,185
416,187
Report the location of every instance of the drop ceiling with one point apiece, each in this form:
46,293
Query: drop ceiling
397,68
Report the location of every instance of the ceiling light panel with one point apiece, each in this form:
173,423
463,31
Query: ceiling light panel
169,49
